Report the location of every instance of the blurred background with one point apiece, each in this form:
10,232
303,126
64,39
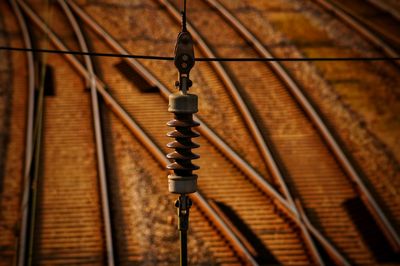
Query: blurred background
299,160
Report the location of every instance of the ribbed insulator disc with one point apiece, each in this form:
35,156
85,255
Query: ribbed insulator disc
181,134
183,155
183,167
182,123
183,144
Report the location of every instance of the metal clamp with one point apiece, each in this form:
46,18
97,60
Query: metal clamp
184,56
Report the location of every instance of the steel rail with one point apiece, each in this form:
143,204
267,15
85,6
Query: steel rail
29,136
98,134
317,120
35,179
141,136
356,25
324,243
310,242
385,7
259,181
238,99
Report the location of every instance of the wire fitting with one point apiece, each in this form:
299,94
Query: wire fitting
184,56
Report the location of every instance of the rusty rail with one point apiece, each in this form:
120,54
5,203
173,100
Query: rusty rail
355,24
141,136
324,243
98,134
384,6
29,137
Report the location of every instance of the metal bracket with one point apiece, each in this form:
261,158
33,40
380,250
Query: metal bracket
184,58
183,204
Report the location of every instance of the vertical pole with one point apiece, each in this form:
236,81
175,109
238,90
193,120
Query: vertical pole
183,239
183,204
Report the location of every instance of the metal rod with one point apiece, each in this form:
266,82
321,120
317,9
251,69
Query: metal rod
183,204
184,16
183,239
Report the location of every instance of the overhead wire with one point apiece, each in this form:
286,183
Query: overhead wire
202,59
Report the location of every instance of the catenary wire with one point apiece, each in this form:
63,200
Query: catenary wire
220,59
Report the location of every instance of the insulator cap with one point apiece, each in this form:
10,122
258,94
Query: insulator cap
180,103
182,184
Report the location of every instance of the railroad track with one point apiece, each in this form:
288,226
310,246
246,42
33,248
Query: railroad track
391,7
342,78
370,20
61,221
340,90
18,96
300,138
